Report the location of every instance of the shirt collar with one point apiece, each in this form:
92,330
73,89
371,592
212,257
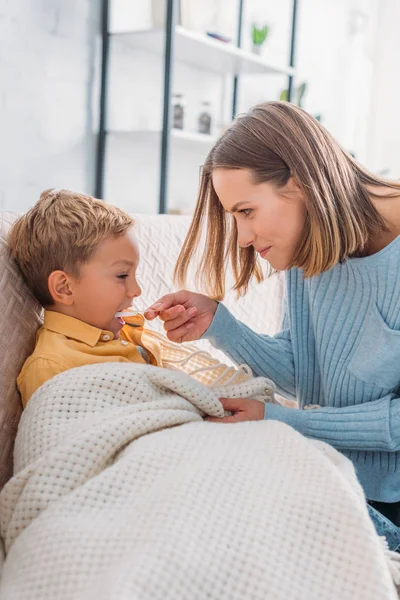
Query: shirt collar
73,328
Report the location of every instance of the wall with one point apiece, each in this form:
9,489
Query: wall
336,53
47,68
383,154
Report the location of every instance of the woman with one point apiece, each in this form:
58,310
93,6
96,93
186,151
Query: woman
277,186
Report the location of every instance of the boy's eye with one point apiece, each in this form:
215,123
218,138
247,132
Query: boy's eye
122,276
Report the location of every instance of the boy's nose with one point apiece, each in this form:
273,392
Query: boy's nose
135,292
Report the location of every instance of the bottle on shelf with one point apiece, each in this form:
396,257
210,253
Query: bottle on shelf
178,112
204,124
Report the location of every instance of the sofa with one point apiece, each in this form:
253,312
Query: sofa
160,238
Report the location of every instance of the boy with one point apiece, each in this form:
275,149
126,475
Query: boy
79,258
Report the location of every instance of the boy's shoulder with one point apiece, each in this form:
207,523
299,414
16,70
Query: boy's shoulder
38,368
43,355
46,361
46,346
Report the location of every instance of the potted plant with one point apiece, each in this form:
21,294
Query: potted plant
299,94
258,36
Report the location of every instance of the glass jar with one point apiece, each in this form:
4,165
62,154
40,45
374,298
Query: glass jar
204,124
178,111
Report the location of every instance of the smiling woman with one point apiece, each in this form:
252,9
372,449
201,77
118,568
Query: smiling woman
316,200
269,220
276,185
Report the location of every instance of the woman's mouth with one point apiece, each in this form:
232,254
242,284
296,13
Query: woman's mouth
265,251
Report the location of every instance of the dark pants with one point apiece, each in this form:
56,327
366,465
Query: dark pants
386,518
390,510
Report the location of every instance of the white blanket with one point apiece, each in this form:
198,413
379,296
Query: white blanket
122,492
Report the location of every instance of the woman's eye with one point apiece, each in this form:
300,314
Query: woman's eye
246,211
122,276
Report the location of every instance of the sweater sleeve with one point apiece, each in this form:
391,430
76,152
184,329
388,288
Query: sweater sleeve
372,426
267,356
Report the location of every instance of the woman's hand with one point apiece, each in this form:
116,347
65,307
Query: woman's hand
186,315
243,409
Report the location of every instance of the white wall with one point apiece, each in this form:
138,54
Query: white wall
336,56
47,66
383,152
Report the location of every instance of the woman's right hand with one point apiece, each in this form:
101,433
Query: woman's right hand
186,315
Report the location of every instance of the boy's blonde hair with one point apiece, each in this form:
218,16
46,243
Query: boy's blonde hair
61,232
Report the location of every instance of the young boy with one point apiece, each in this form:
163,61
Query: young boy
79,257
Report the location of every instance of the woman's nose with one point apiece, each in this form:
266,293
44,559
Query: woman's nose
245,239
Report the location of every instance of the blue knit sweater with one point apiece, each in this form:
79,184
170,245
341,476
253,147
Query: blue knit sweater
339,348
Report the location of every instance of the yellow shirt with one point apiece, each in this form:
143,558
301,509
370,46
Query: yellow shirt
64,342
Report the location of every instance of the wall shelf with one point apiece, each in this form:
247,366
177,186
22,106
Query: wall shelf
202,52
173,45
183,138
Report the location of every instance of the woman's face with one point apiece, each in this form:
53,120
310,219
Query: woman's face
268,219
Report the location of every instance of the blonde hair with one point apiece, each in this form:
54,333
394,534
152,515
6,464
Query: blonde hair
61,232
276,141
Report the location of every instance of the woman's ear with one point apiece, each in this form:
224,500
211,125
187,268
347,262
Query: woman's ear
59,284
293,191
292,186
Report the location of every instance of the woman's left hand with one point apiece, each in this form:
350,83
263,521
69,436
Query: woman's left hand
242,409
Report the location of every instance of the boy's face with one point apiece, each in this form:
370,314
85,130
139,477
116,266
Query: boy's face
106,283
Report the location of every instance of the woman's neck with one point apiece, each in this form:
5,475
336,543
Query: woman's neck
388,206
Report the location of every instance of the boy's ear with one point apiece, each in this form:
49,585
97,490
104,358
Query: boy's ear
59,284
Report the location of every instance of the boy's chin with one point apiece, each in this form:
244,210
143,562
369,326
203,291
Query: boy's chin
115,326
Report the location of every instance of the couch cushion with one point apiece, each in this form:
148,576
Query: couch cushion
20,318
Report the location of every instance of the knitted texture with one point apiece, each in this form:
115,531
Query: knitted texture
197,362
121,491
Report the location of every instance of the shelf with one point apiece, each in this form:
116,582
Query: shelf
202,52
186,138
193,138
183,140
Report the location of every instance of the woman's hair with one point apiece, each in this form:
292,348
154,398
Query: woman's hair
61,232
276,141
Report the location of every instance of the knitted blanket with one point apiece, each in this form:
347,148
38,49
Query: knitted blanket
122,491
